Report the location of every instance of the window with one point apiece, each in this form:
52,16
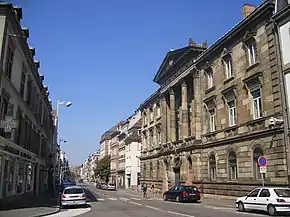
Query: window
254,193
256,168
265,193
151,170
28,92
158,170
145,119
9,63
20,179
233,169
189,165
209,78
151,114
257,103
232,113
10,176
158,110
228,67
158,136
151,138
212,120
144,171
251,49
23,78
212,167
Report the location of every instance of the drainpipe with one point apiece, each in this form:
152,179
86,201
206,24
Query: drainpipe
283,101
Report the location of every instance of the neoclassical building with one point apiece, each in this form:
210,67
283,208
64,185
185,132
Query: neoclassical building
209,121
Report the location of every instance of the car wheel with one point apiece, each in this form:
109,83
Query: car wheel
241,207
164,197
272,210
177,199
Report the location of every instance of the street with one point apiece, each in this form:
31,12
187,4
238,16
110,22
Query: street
123,204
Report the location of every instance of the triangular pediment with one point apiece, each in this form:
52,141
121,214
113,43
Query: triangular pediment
170,59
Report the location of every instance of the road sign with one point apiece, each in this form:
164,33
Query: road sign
263,169
262,161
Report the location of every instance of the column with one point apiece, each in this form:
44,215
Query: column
184,107
198,104
172,116
163,112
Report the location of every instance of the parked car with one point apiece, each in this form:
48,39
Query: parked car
180,193
65,184
272,200
111,187
104,186
73,195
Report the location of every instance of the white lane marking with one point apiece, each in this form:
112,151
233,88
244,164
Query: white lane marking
112,198
138,204
101,199
152,207
135,198
123,198
181,214
71,212
155,198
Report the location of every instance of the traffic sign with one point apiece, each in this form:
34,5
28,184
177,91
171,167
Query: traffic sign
262,161
263,169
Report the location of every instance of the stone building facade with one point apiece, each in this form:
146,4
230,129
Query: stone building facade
215,105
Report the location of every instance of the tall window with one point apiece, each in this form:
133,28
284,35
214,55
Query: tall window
228,67
257,103
212,120
212,167
232,113
251,49
158,110
233,168
9,63
23,77
256,168
151,170
151,138
209,75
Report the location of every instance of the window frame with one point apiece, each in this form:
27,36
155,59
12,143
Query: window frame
209,75
251,52
232,109
233,166
212,120
212,167
257,104
228,67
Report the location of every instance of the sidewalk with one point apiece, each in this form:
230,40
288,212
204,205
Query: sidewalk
231,202
38,206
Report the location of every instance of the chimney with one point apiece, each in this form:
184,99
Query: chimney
247,9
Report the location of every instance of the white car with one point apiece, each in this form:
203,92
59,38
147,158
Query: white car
272,200
73,195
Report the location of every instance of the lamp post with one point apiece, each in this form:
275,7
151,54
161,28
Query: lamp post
59,163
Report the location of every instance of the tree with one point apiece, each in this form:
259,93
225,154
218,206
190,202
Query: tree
103,168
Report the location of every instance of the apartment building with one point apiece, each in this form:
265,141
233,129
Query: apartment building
26,144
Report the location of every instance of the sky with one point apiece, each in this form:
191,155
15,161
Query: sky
102,55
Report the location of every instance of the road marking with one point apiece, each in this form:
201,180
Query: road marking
181,214
135,198
101,199
138,204
123,198
152,207
155,198
71,212
112,198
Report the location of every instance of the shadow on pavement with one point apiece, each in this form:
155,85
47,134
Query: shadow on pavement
47,199
90,196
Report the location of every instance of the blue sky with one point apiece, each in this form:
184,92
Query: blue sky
102,55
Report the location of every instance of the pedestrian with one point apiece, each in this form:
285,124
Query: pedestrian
152,188
144,189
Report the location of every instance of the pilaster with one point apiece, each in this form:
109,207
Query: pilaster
172,115
197,104
184,107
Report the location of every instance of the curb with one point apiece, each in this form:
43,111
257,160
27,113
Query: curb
56,210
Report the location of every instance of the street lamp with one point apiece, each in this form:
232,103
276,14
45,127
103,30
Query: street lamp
59,163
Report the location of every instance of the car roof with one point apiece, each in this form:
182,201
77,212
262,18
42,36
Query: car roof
73,186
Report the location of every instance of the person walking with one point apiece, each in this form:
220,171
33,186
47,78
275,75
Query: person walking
144,189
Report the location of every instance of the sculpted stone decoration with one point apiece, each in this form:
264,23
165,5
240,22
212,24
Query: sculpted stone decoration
249,35
207,65
171,91
225,53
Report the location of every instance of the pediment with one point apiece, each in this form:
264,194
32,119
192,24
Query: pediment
170,59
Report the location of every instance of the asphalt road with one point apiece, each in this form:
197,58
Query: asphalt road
123,204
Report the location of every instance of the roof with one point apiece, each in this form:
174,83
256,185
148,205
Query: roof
108,134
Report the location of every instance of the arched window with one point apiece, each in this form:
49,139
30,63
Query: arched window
212,167
256,168
158,170
233,167
151,170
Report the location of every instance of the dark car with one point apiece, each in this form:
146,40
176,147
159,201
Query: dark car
181,193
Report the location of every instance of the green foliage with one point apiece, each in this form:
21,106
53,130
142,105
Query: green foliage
103,168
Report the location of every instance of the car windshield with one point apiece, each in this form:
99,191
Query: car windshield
73,191
282,192
190,188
